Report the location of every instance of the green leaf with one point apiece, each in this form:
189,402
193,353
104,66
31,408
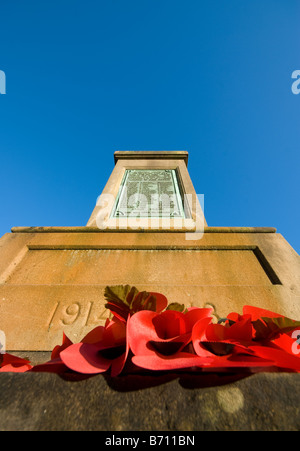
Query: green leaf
124,300
131,295
119,299
268,328
177,307
144,301
120,294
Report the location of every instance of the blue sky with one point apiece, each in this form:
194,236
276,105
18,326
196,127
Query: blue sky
85,79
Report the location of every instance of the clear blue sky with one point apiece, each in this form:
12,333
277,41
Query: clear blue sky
86,78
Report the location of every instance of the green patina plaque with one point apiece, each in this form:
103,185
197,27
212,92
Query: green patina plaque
149,193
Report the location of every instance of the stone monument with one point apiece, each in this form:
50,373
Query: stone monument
52,279
147,230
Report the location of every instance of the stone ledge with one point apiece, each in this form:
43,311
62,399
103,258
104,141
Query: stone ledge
151,155
96,230
42,401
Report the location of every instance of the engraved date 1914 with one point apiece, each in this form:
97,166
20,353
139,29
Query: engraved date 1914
88,314
82,314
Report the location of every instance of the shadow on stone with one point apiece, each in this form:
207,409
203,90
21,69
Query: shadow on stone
146,380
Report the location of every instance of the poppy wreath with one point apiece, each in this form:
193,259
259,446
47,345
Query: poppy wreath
146,333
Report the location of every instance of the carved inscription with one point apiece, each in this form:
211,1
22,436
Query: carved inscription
92,314
88,314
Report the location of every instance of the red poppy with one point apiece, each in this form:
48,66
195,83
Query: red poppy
256,338
280,349
13,364
103,349
175,339
229,345
158,341
207,336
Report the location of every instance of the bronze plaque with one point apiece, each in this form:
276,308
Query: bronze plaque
149,193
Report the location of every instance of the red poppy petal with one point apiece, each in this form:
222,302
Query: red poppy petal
198,335
280,358
114,333
140,331
120,312
85,358
241,330
147,327
257,312
233,316
117,324
119,363
169,324
170,347
13,364
12,368
215,332
161,302
94,336
196,314
65,344
285,342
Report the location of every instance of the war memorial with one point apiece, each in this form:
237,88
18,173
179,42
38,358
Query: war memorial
148,230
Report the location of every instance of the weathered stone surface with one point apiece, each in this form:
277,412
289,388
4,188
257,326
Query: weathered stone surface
53,282
39,402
